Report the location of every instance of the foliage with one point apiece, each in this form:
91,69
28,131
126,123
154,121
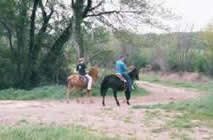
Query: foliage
98,52
35,33
171,52
104,48
208,38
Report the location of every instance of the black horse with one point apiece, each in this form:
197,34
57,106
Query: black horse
116,84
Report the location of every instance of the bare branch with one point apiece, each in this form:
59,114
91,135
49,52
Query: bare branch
44,14
129,14
87,8
115,12
32,26
73,4
98,5
103,20
46,17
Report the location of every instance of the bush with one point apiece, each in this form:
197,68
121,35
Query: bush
200,64
7,70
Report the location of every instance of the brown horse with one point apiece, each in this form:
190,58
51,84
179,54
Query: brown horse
77,82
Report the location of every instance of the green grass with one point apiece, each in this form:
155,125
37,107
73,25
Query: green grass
206,87
200,108
180,122
54,92
180,136
45,92
38,132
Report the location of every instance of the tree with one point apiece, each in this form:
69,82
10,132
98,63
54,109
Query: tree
37,30
208,38
27,26
124,14
13,21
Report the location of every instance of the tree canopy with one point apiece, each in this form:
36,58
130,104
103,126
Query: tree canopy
36,31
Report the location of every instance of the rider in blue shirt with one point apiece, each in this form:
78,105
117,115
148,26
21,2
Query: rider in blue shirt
122,69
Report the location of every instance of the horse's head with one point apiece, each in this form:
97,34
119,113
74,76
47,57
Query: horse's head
93,72
134,73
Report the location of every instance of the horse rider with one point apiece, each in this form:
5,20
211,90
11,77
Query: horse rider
81,68
122,70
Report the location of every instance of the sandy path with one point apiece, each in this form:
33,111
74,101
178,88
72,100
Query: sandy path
123,120
160,93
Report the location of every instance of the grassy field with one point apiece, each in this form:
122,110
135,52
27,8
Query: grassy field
200,108
45,92
51,132
154,78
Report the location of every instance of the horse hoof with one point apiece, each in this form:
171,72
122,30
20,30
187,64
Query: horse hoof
128,103
118,104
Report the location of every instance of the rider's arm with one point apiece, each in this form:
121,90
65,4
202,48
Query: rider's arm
124,67
77,68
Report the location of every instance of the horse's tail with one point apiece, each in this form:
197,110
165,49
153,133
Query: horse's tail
104,86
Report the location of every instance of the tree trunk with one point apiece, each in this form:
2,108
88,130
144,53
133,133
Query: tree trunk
31,62
20,54
48,64
77,28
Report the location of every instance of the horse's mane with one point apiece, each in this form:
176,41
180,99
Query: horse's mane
132,69
93,72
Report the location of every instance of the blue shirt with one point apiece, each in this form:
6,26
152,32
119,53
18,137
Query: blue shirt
120,67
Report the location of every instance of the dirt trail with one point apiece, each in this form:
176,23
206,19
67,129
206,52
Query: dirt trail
112,120
160,93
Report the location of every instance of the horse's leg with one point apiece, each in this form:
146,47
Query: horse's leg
103,101
69,90
115,96
127,94
88,92
103,94
89,95
68,94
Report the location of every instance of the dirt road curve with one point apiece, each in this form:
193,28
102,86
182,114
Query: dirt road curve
160,93
123,120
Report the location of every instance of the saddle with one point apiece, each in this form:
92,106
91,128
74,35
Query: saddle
84,79
121,77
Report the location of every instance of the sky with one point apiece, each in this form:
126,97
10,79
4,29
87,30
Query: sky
195,14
